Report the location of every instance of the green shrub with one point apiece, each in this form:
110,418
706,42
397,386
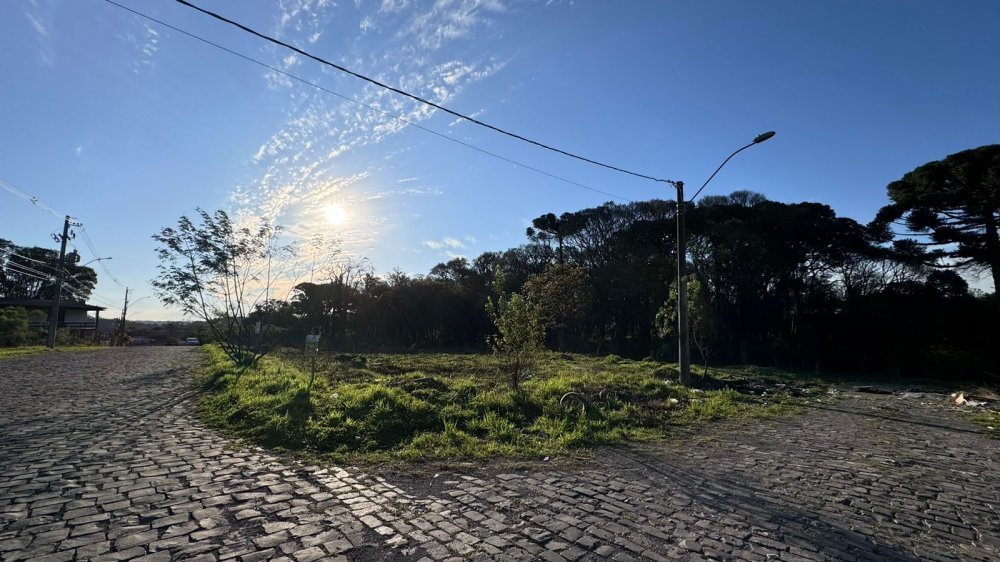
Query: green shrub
14,326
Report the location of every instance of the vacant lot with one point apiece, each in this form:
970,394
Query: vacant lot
457,406
101,458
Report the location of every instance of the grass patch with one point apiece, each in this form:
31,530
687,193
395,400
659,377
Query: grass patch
8,352
990,420
439,406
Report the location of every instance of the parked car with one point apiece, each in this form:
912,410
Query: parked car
192,341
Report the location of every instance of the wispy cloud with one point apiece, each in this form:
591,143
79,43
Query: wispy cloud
144,44
446,242
305,163
39,16
474,115
393,192
448,20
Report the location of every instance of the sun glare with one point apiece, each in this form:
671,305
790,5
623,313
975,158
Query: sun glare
335,214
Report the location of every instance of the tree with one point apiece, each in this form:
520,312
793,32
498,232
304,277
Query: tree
219,272
702,323
957,202
561,295
519,332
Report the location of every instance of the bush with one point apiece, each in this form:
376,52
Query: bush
520,334
14,327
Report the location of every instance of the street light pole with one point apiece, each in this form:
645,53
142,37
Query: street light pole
683,335
683,329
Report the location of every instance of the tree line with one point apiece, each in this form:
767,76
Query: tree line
791,285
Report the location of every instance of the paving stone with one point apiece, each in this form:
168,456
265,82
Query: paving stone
103,459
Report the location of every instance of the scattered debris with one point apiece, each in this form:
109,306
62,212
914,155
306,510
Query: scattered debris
546,459
574,400
959,399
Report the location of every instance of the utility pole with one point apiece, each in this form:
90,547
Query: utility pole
683,334
121,325
54,314
683,329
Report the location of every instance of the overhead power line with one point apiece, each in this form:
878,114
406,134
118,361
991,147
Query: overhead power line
43,206
365,105
40,276
26,270
26,274
90,244
93,294
31,199
40,262
68,287
414,96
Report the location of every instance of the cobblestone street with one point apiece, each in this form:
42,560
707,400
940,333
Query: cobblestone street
102,458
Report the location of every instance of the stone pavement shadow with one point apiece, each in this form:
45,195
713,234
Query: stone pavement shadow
785,519
878,415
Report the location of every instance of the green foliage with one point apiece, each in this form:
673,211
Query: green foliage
702,322
13,326
428,406
957,201
519,332
219,272
561,294
990,421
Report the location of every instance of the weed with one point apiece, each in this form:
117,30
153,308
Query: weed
434,406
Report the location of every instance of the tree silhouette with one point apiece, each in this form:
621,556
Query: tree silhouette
957,201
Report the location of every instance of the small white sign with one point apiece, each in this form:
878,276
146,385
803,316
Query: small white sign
312,343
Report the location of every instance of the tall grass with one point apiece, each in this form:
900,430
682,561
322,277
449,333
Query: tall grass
433,406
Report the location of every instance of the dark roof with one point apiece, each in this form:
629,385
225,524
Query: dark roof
39,303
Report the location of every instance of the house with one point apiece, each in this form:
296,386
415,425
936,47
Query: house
73,315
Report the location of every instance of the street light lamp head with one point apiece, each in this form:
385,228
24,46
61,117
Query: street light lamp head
93,260
763,137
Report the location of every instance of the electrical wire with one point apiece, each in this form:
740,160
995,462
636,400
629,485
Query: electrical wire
90,244
31,199
75,289
23,269
412,96
26,274
93,294
371,107
40,262
38,275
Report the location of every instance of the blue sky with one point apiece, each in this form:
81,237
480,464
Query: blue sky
127,125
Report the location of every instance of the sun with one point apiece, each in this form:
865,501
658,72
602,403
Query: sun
335,214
